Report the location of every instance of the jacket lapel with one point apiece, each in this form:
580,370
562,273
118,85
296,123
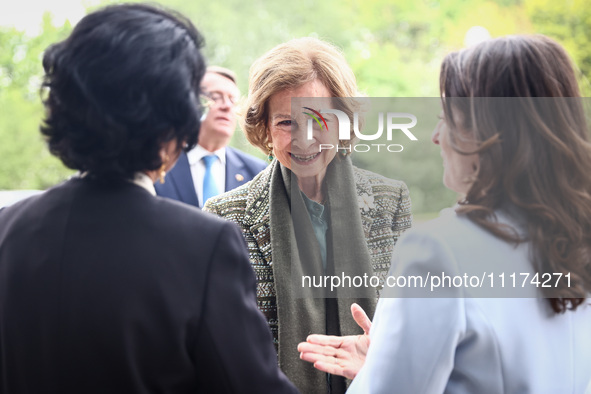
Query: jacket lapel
365,200
235,170
256,212
181,179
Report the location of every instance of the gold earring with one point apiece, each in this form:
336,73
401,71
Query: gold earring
270,152
342,148
162,169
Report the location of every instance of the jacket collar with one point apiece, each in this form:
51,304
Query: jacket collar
257,212
365,200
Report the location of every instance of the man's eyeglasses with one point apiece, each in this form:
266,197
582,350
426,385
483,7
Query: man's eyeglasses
208,100
218,98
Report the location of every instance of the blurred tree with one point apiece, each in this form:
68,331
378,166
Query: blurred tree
568,22
394,47
26,163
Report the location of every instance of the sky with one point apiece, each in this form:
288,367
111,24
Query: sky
27,14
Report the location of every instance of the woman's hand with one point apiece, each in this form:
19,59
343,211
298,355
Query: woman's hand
342,356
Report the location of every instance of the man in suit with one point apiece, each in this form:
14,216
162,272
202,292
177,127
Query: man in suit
105,287
212,167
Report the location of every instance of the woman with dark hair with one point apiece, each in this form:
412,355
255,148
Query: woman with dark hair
106,288
515,145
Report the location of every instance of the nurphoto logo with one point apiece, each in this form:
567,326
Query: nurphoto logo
393,125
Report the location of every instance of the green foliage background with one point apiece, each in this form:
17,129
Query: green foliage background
394,47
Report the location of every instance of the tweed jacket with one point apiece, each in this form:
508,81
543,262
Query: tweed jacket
384,206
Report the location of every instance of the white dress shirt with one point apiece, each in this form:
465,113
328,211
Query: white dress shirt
145,182
465,345
197,166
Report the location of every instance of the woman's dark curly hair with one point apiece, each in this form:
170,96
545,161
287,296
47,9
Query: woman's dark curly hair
125,81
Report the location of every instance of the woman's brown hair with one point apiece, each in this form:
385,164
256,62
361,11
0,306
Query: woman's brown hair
518,96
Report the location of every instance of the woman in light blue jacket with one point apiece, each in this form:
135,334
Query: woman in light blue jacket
514,315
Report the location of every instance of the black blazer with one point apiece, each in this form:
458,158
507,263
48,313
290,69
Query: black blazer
240,168
113,290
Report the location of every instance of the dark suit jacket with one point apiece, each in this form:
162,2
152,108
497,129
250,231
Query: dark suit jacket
113,290
179,182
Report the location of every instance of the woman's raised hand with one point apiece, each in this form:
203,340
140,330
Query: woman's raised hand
342,356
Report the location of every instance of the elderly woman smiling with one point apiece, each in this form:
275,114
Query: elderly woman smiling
310,210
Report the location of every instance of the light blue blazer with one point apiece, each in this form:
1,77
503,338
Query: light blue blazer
461,344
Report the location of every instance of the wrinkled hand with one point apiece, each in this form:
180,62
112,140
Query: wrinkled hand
342,356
